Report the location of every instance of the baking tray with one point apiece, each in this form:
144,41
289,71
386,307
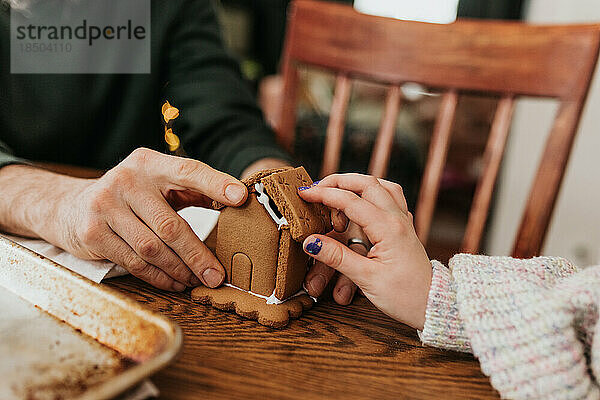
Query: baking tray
63,336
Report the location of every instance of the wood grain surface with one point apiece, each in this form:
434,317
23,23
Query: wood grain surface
333,351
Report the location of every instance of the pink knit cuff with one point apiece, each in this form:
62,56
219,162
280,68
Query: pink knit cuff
443,326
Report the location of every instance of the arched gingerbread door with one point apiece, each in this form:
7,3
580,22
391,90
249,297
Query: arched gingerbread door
241,271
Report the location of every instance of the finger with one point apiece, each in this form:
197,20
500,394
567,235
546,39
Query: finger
344,181
344,290
318,278
355,208
382,193
337,256
177,234
121,254
396,192
355,232
339,220
193,175
150,248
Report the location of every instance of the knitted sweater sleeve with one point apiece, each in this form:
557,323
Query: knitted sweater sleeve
443,326
529,322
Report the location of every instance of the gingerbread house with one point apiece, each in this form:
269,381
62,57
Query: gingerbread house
260,246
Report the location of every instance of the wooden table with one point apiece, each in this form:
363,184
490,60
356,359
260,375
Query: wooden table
333,351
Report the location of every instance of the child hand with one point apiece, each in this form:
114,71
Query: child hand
396,273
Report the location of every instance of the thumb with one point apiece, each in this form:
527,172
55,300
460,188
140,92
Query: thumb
337,256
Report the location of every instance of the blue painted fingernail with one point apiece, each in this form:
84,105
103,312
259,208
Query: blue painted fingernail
301,188
314,247
316,183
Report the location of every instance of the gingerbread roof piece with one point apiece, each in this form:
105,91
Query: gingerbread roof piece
251,180
303,218
281,184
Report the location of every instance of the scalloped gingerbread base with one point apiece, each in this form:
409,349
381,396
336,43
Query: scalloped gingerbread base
252,307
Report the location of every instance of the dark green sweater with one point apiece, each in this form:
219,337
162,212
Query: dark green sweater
97,120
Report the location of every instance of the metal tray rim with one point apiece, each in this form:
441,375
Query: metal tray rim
140,371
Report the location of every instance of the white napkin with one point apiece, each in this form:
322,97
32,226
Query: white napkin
201,220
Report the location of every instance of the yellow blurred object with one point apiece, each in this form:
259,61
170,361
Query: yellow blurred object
171,139
169,112
164,107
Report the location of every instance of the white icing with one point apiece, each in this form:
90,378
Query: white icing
263,198
271,299
274,300
306,291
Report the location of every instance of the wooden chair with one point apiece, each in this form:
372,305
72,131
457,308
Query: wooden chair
502,59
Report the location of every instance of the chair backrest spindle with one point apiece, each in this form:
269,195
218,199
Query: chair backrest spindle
287,115
382,149
544,191
335,127
436,160
492,159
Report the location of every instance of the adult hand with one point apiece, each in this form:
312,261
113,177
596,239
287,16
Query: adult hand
129,216
396,273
